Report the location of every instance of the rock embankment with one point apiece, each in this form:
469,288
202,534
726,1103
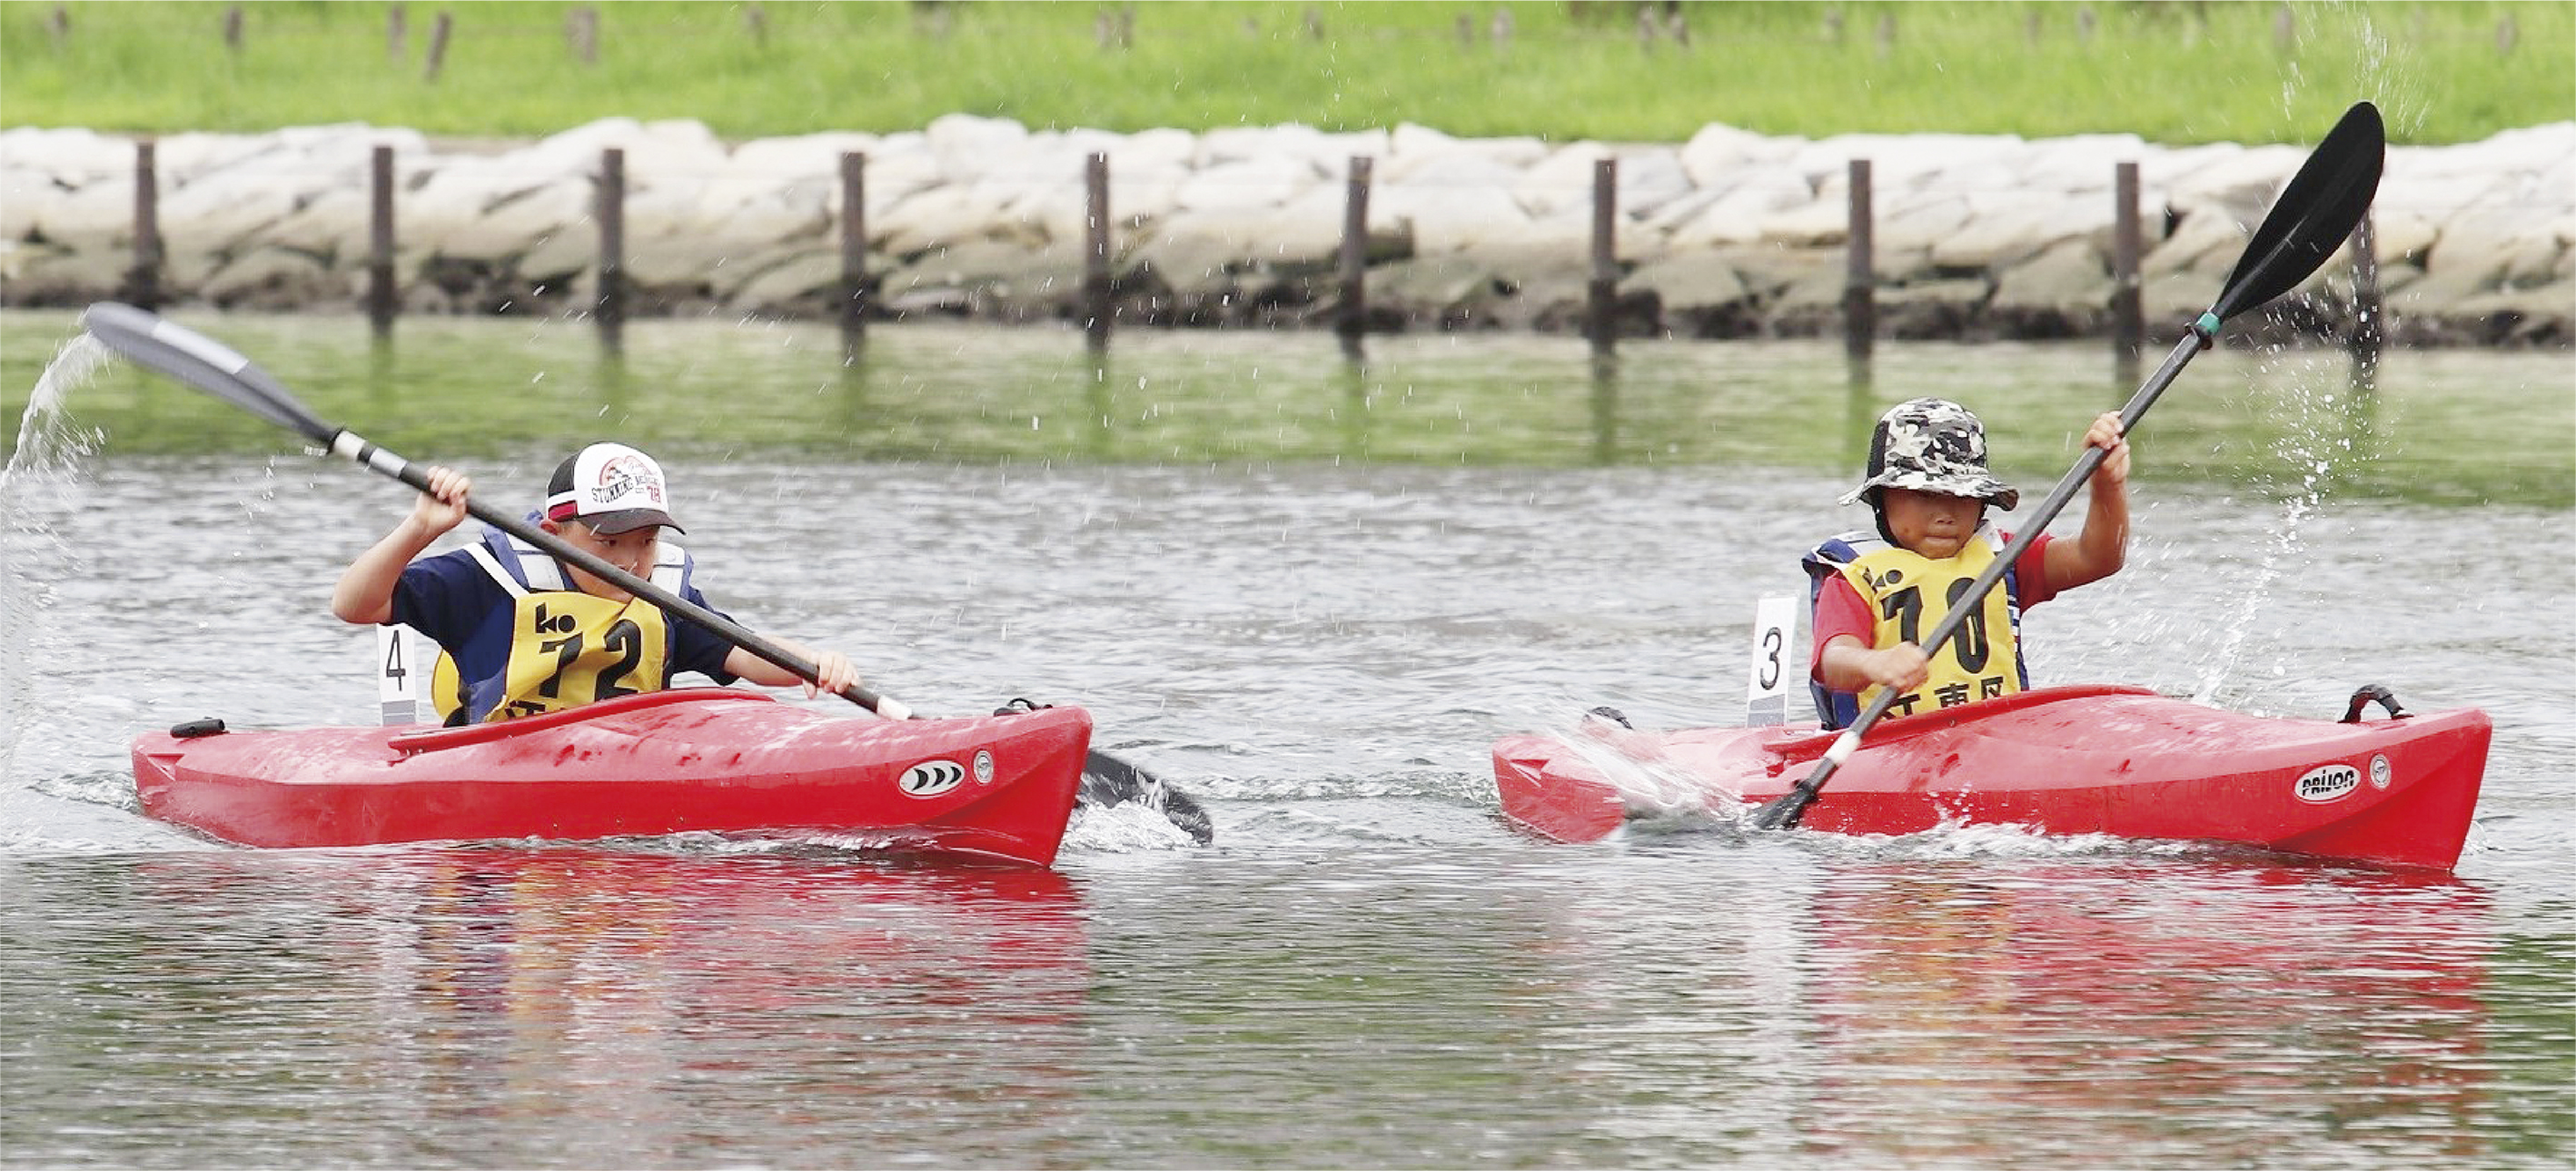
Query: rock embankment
1731,234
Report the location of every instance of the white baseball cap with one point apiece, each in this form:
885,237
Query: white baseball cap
612,488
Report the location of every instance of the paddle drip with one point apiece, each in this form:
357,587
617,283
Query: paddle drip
33,487
2304,447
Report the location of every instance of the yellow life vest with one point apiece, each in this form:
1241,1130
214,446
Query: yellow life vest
1909,594
567,649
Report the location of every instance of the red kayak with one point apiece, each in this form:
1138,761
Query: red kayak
2063,760
664,762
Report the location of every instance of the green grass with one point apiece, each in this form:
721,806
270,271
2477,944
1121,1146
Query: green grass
2171,72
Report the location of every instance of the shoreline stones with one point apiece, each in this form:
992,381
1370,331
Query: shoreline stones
1732,234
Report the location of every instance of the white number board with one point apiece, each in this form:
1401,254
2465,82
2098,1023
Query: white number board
394,687
1774,670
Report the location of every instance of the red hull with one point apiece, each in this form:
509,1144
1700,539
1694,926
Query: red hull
2065,760
697,759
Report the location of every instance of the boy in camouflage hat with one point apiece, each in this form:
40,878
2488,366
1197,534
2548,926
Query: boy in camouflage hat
1873,594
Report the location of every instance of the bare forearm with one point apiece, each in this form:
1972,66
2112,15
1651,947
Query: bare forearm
1838,668
2105,539
1849,666
833,671
365,593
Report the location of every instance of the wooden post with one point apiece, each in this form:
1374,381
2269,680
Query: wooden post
59,23
1860,304
2128,321
1352,320
233,29
1604,287
397,33
382,298
1095,253
2369,326
612,241
143,284
1605,405
438,33
581,27
756,19
854,244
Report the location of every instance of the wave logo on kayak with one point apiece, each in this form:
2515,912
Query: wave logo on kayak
2331,782
931,778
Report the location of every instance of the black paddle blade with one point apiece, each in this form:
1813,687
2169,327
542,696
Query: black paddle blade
2314,215
1107,781
202,362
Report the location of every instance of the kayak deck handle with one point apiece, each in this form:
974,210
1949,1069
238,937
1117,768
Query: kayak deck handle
2371,693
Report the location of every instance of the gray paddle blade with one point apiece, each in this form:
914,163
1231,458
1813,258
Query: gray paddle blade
158,345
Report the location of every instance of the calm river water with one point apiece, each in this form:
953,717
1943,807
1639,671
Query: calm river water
1311,592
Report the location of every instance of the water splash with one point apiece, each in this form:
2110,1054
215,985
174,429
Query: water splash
2389,75
1652,784
36,484
1121,829
2304,447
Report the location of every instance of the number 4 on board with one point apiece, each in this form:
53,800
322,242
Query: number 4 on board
393,675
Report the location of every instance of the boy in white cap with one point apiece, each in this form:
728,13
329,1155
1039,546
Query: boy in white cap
1875,594
524,633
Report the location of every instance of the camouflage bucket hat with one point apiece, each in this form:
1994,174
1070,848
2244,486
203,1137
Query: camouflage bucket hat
1932,445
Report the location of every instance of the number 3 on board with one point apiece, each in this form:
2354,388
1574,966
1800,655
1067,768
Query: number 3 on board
1775,624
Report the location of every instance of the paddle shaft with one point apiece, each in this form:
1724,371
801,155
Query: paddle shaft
358,450
1789,807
